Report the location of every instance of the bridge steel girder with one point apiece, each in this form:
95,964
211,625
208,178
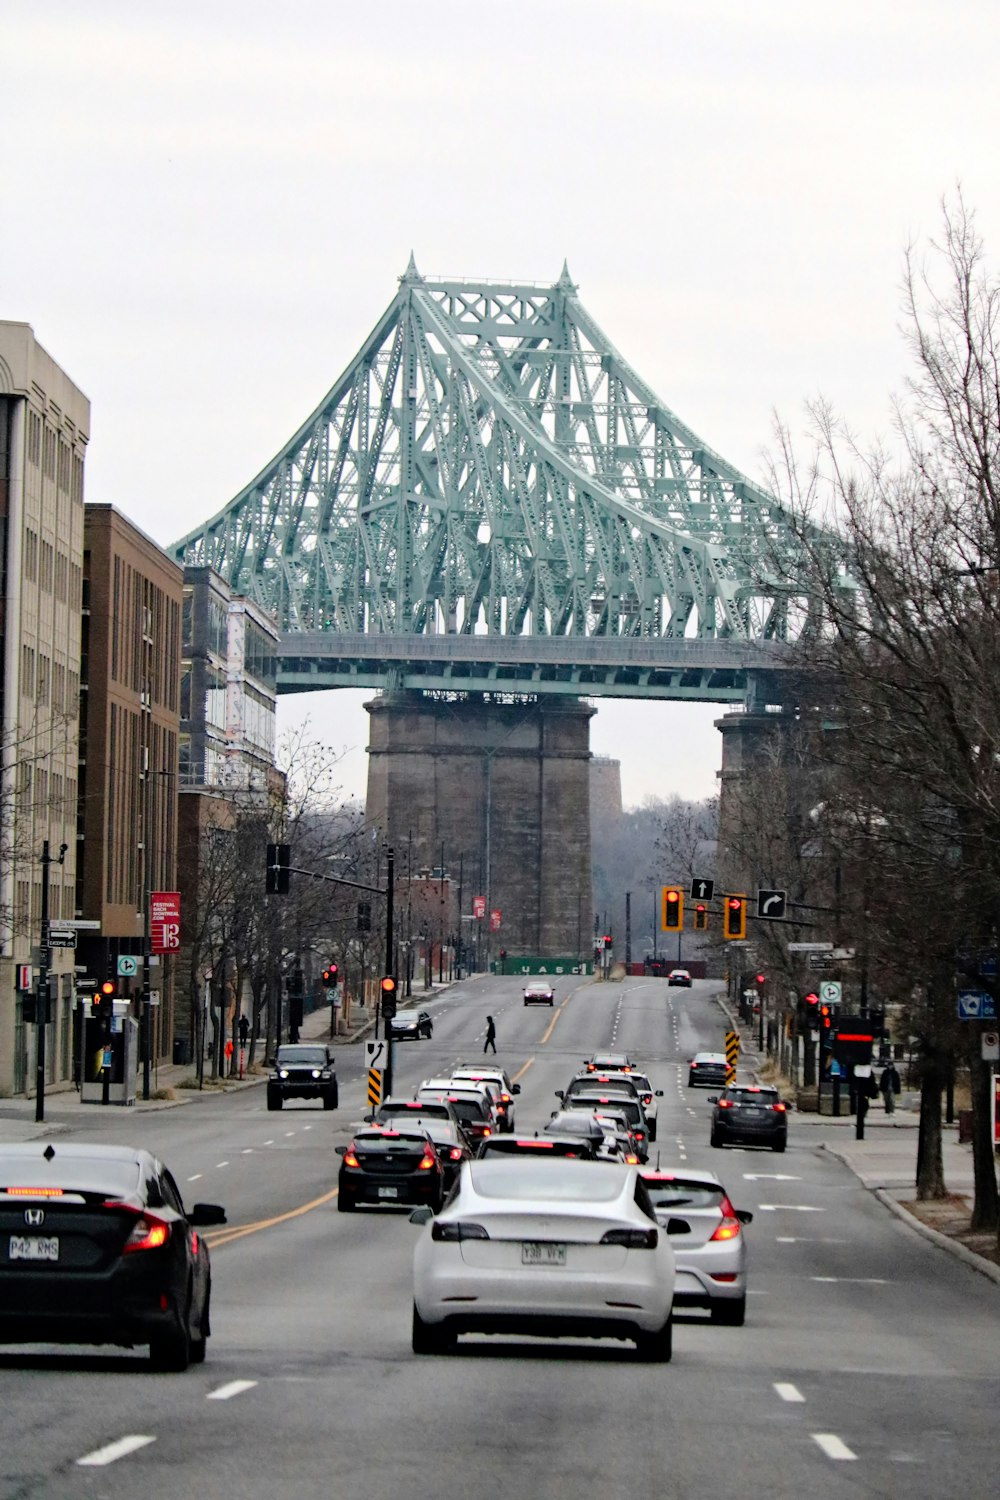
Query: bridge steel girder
489,469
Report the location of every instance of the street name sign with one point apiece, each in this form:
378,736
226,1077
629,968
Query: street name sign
976,1005
810,947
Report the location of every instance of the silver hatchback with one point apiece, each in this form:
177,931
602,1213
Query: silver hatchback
706,1233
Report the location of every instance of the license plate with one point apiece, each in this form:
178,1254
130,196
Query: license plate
534,1253
388,1192
754,1114
33,1247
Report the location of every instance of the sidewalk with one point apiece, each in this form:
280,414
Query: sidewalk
172,1085
885,1162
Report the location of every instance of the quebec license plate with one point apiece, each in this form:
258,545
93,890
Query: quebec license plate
33,1247
542,1253
388,1192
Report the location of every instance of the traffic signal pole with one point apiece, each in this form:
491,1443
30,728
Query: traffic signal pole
389,915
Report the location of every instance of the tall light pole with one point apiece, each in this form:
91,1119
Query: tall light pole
42,992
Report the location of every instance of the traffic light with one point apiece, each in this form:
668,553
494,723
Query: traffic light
364,916
503,959
673,909
761,981
277,873
607,940
700,917
387,997
825,1025
735,924
330,976
104,1003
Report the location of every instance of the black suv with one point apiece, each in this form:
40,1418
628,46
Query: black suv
303,1070
750,1114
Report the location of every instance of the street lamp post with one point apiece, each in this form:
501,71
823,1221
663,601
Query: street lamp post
42,992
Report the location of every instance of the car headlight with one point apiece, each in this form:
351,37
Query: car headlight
282,1072
315,1072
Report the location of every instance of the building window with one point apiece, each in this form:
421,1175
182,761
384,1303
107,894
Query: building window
49,453
43,685
45,567
27,672
34,438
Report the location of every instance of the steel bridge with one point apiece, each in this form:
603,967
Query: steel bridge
491,500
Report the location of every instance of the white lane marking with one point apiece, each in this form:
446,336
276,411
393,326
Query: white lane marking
195,1177
832,1445
233,1388
769,1177
853,1280
790,1208
221,1164
247,1151
788,1392
268,1143
112,1451
307,1127
792,1239
288,1133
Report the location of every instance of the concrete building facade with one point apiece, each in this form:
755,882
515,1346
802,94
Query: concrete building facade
44,429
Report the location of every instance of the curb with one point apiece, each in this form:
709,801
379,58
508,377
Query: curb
953,1247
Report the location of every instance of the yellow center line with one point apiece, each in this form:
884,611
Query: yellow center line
521,1071
552,1024
226,1236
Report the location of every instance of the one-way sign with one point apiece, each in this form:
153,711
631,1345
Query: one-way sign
62,937
976,1005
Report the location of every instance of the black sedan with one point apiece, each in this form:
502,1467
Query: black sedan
751,1115
382,1165
96,1247
410,1026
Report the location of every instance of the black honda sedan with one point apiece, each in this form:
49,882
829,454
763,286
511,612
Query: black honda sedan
96,1247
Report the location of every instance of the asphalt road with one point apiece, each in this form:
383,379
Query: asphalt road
869,1364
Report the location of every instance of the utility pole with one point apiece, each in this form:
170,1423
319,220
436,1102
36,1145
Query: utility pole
42,992
628,930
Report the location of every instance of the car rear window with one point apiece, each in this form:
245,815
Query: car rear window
419,1107
390,1140
559,1181
118,1179
752,1096
622,1106
680,1194
471,1111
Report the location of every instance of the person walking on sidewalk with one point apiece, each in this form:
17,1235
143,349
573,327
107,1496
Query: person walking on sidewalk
889,1085
491,1035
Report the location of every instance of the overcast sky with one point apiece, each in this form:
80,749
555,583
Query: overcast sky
207,205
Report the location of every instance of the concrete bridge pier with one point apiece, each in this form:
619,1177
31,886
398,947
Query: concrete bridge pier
503,789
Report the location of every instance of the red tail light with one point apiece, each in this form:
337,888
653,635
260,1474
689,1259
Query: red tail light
778,1108
632,1239
427,1161
540,1145
631,1161
350,1160
455,1154
725,1104
647,1098
148,1232
487,1130
728,1229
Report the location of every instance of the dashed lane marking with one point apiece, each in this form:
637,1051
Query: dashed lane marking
790,1208
111,1452
833,1446
853,1280
793,1239
247,1151
788,1392
289,1133
195,1177
219,1164
233,1388
268,1143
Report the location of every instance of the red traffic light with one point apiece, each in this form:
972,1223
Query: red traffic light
388,985
673,896
812,999
761,979
108,987
330,976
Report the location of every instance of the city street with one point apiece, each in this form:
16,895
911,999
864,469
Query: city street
869,1363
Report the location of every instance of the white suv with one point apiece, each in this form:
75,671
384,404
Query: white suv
497,1080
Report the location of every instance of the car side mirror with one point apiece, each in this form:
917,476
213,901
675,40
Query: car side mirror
369,1119
678,1226
204,1214
515,1088
659,1093
559,1093
340,1150
553,1114
713,1098
422,1215
744,1215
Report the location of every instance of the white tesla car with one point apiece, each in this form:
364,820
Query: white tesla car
552,1248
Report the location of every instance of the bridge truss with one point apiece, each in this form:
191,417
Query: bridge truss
491,497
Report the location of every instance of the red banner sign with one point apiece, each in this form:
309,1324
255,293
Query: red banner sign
495,919
165,921
479,906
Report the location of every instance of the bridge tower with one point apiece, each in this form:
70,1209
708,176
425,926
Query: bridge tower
503,789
